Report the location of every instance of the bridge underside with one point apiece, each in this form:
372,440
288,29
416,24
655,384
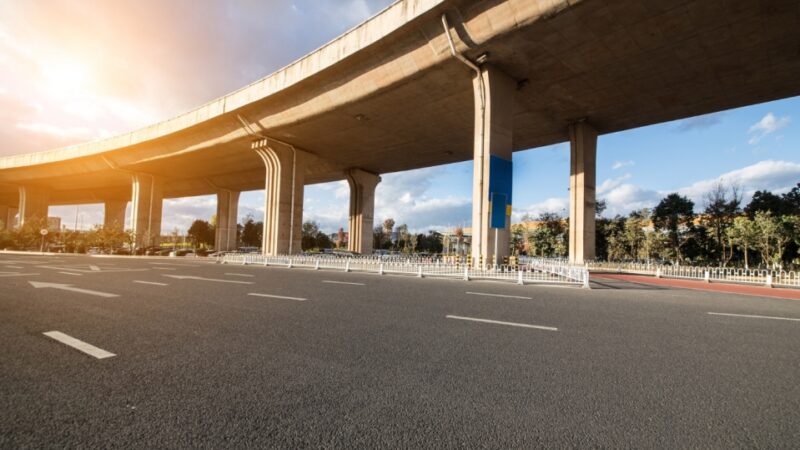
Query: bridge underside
618,65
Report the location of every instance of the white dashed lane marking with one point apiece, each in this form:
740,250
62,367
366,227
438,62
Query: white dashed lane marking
498,295
240,275
150,282
343,282
497,322
752,316
77,344
297,299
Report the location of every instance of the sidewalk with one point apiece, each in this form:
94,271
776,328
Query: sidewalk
740,289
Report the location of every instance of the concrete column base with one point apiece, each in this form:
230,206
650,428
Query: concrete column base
147,200
582,205
114,214
227,212
362,208
283,217
33,204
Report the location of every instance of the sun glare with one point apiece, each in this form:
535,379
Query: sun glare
65,76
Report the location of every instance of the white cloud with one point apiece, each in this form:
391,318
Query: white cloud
558,205
767,125
620,164
611,184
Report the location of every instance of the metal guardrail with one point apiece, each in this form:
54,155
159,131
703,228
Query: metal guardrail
761,277
530,273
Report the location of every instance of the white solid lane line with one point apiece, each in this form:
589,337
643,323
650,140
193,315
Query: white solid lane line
343,282
15,274
163,268
512,324
13,267
297,299
89,349
498,295
751,316
150,282
72,273
240,275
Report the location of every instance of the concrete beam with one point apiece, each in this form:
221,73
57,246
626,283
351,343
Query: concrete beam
33,203
283,215
362,209
114,214
146,205
491,188
227,212
582,206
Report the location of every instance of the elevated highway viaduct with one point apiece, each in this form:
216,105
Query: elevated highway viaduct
428,82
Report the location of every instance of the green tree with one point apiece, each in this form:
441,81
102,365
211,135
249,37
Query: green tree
201,233
766,201
722,207
674,214
744,234
773,233
252,232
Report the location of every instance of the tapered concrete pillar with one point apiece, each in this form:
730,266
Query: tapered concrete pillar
491,187
114,214
582,174
362,208
283,215
227,212
146,203
33,203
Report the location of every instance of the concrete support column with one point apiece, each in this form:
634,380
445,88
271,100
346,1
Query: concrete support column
283,215
362,209
33,203
227,212
582,174
114,214
491,187
147,198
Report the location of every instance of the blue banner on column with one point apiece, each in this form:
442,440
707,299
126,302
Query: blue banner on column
500,178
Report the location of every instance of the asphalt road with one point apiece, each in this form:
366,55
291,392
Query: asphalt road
379,363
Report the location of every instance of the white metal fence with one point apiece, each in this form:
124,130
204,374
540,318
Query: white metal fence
762,277
544,272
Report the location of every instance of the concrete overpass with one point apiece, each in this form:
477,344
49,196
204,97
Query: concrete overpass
429,82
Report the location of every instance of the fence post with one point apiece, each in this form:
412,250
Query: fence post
586,284
347,266
658,272
519,277
380,269
466,273
289,266
244,260
266,261
419,271
769,280
316,265
707,277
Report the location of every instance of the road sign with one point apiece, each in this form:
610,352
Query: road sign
43,231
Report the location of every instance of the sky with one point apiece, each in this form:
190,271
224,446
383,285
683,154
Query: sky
78,70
